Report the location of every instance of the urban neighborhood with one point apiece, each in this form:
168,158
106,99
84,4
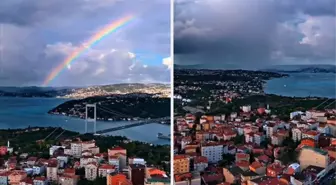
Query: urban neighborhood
75,161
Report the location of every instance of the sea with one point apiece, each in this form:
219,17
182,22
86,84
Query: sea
17,112
303,85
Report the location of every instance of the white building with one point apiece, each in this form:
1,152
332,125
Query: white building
200,163
323,129
76,149
86,160
114,160
63,159
91,171
52,149
38,169
4,178
213,152
270,129
40,181
296,113
52,172
296,134
315,113
105,169
249,138
137,161
246,108
88,144
311,134
258,138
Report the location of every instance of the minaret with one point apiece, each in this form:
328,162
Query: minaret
8,144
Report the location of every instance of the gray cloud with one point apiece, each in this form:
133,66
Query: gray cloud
251,33
38,35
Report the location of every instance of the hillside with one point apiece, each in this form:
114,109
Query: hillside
126,106
160,90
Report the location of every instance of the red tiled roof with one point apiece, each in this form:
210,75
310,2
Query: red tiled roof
243,163
268,181
113,157
69,170
256,165
200,159
177,157
117,148
27,181
212,177
276,167
107,167
242,155
40,178
312,132
263,158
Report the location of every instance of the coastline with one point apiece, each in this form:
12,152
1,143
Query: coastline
38,128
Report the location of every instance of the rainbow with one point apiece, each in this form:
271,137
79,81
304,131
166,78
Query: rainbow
108,29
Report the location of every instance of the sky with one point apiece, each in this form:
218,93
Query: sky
254,33
37,35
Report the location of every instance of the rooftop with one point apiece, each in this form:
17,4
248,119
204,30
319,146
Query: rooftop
322,152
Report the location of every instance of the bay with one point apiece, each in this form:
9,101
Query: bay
23,112
303,85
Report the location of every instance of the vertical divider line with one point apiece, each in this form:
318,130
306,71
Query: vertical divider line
172,92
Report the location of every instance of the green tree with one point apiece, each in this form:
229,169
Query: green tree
100,181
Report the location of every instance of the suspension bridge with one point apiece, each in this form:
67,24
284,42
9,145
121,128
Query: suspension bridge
115,126
132,124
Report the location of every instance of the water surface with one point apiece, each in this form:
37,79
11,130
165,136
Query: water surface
24,112
303,85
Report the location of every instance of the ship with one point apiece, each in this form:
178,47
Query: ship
161,136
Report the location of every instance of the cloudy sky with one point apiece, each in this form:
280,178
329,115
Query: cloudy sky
37,35
254,33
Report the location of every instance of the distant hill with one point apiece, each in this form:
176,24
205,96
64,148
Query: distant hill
302,68
70,92
208,66
33,91
125,88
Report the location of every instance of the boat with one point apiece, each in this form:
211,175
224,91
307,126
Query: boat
162,136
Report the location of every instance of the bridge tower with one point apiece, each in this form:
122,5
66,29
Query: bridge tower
94,119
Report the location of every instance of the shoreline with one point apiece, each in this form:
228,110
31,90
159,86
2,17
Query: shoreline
39,128
113,120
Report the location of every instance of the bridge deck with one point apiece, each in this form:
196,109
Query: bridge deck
139,123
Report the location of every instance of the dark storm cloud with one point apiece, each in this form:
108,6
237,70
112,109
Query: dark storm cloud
250,33
37,35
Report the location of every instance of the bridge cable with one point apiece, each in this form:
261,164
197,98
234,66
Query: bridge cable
50,133
322,103
114,112
329,104
60,134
